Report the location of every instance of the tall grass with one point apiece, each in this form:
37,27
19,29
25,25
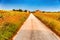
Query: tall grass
52,20
10,23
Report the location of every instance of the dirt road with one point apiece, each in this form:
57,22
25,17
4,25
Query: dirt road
34,29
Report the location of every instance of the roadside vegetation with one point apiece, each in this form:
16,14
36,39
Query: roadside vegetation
51,19
10,23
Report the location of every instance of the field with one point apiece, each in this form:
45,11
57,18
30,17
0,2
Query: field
50,19
10,23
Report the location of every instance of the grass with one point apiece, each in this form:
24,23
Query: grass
52,20
10,22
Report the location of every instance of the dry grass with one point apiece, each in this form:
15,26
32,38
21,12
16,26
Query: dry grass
10,22
52,20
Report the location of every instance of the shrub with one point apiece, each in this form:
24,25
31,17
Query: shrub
7,30
1,15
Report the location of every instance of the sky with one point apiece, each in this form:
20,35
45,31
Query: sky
44,5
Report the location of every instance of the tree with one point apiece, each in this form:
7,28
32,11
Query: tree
13,9
17,10
25,10
43,11
20,10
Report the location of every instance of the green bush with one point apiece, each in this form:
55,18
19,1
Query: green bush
7,31
1,15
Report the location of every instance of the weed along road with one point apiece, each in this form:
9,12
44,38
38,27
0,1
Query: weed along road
34,29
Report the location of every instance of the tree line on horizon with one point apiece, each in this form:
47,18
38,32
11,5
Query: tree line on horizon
20,10
31,11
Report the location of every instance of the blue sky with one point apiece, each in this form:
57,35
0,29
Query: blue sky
45,5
